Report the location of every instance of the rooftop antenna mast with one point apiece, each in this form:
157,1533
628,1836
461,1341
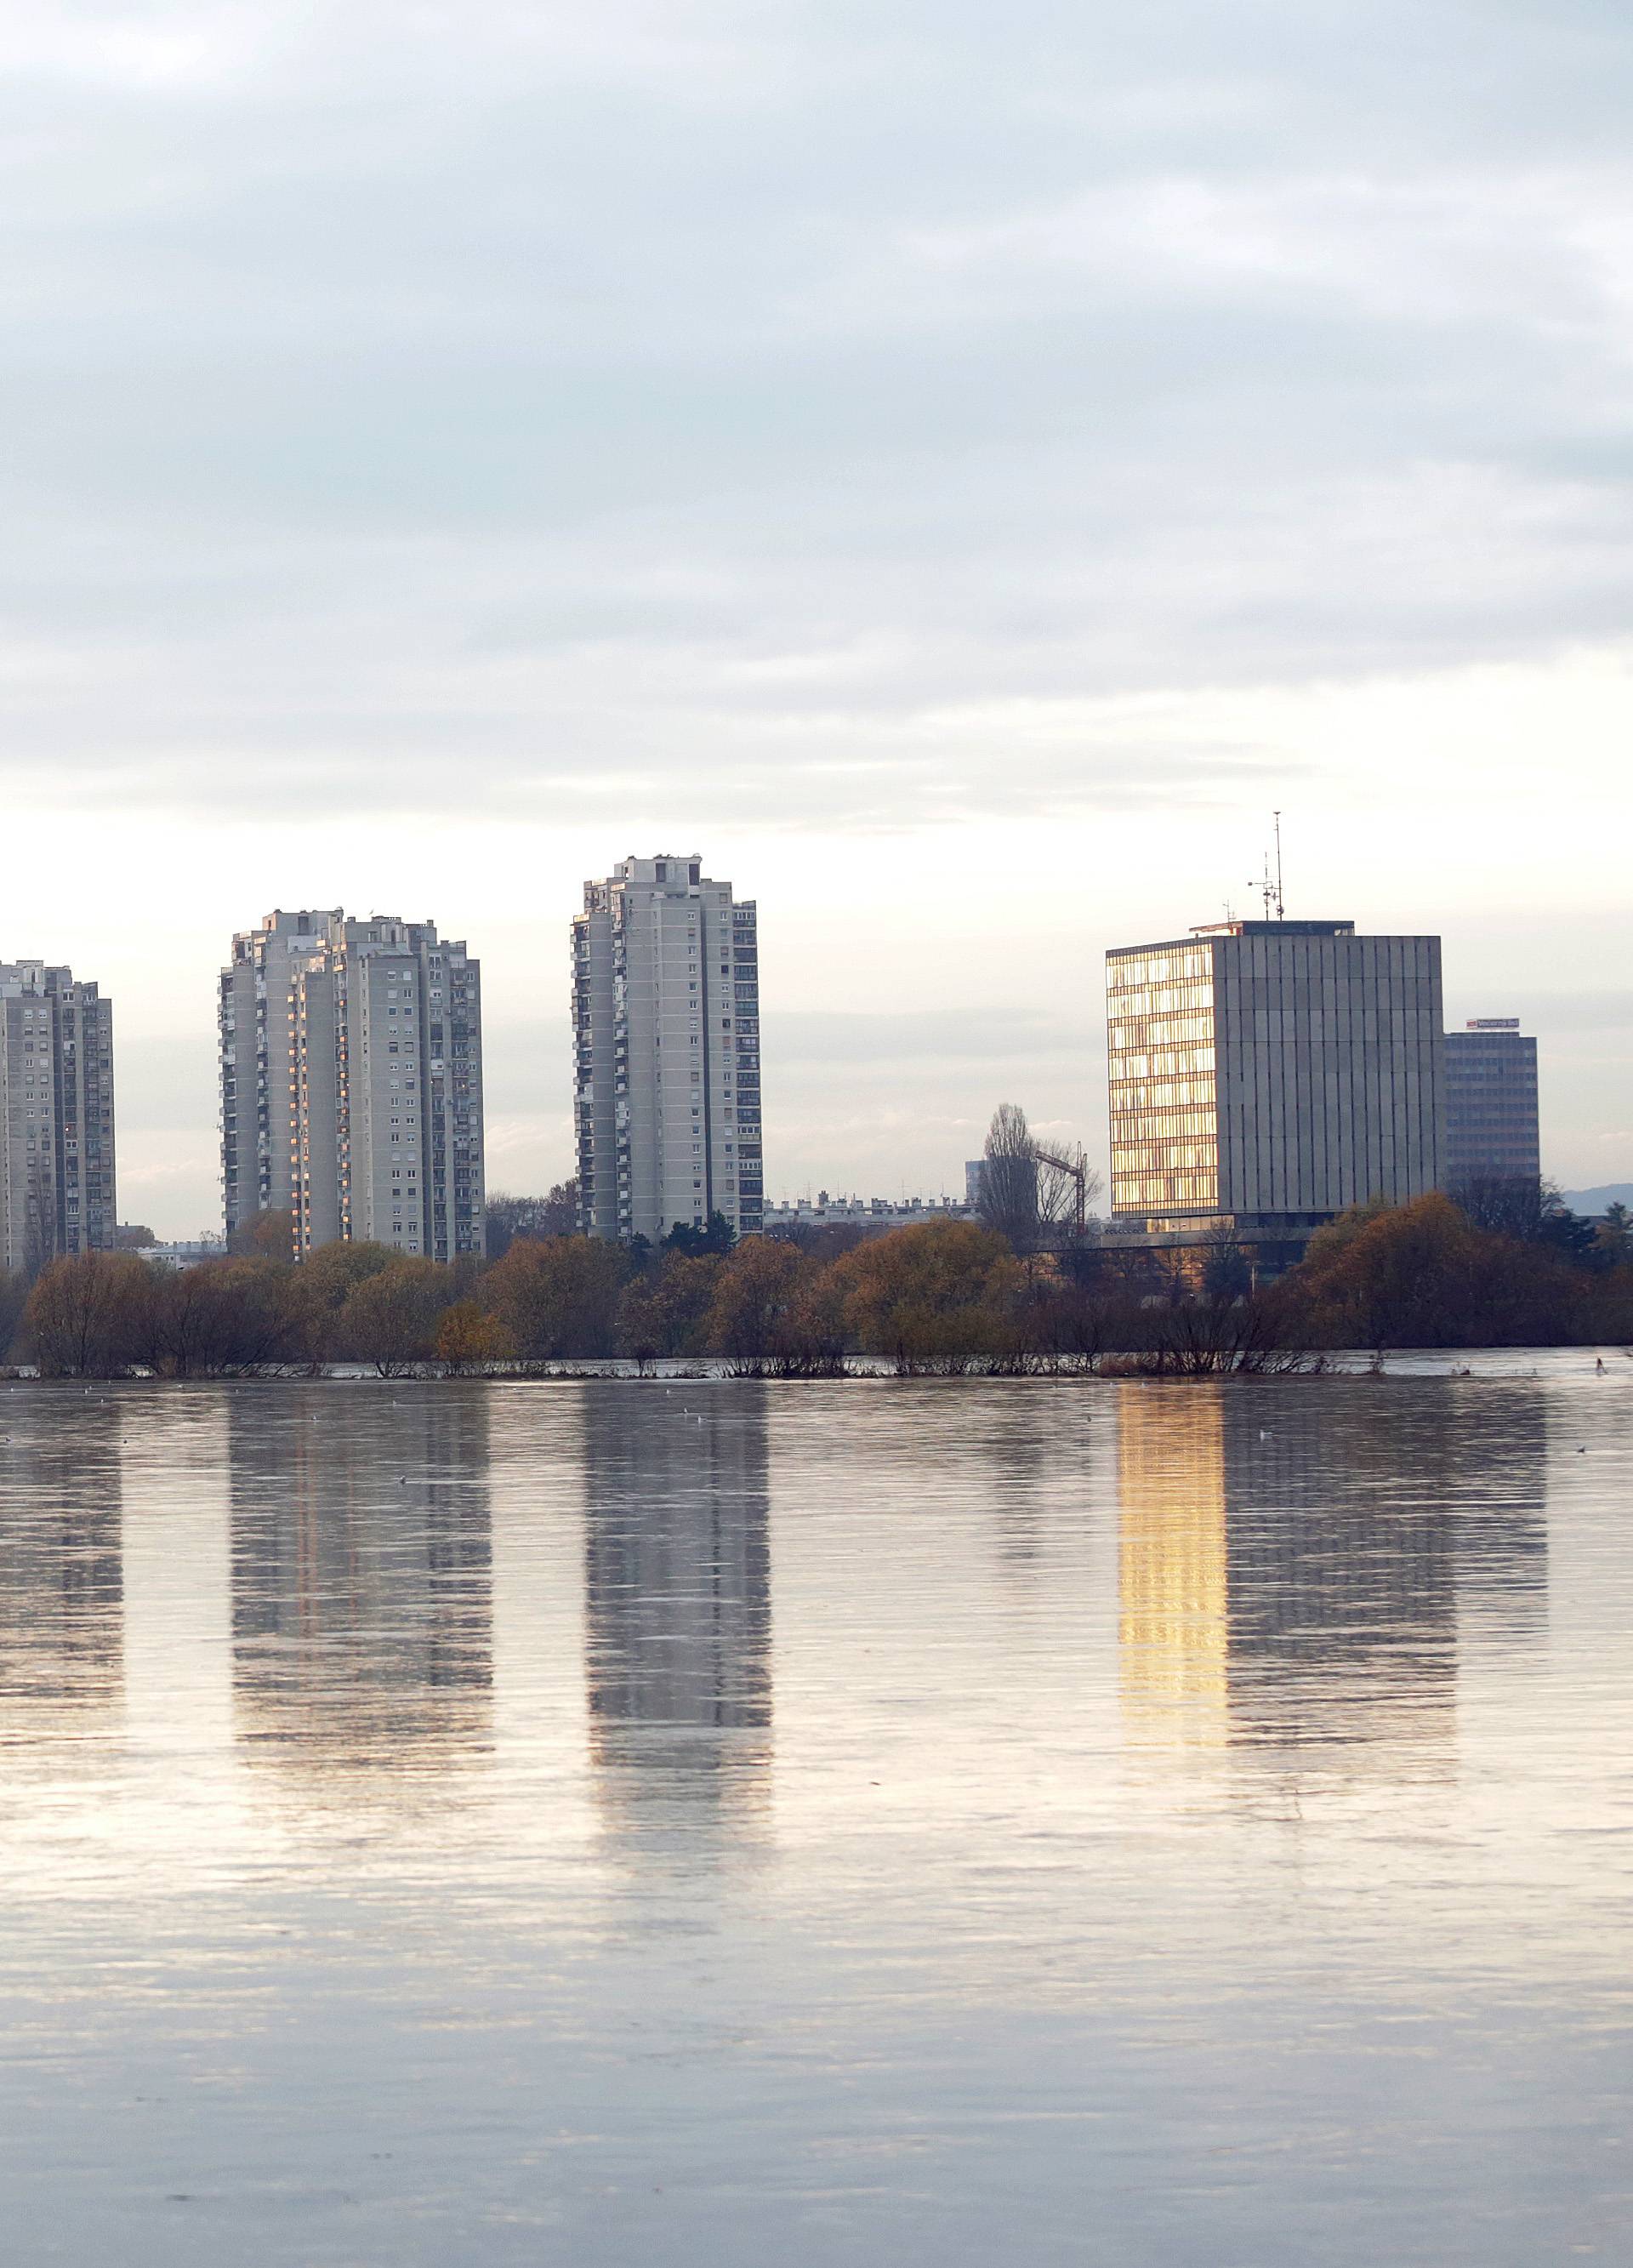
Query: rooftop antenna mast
1270,888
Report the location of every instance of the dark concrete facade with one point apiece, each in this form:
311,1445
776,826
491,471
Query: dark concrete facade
1491,1104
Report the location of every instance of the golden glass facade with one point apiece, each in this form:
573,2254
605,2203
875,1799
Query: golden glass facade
1165,1131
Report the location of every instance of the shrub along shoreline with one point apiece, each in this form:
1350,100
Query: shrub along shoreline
943,1298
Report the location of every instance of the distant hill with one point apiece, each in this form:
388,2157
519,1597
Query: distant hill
1591,1201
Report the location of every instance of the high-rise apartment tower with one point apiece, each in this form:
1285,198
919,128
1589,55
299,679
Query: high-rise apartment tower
57,1115
1491,1104
667,1042
255,1017
351,1092
1272,1072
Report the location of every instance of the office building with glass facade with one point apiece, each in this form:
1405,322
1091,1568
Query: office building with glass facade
1266,1074
1492,1131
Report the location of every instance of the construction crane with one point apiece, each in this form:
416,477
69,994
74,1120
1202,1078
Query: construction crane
1075,1166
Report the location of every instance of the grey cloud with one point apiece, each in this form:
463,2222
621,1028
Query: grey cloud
772,399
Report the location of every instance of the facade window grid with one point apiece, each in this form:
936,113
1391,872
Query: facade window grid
49,1092
325,1148
646,954
1492,1130
1325,1070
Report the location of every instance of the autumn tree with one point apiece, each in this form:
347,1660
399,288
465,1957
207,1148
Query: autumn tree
814,1330
753,1296
506,1218
267,1235
84,1316
935,1297
469,1338
221,1318
557,1296
391,1316
830,1241
666,1312
316,1292
1421,1274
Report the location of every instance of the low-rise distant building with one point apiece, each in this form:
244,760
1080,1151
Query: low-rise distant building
872,1215
185,1253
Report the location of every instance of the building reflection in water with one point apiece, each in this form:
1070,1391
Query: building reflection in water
1174,1577
61,1583
678,1606
1298,1564
362,1584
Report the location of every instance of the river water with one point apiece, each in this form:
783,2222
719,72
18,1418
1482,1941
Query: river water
1114,1822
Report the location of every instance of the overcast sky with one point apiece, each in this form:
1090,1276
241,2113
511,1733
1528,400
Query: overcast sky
957,468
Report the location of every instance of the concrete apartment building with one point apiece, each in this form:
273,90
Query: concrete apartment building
1492,1130
667,1052
57,1192
1266,1074
255,1018
351,1090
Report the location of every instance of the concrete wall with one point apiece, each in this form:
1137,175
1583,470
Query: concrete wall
1330,1070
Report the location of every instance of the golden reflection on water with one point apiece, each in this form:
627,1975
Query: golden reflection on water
1173,1568
1301,1585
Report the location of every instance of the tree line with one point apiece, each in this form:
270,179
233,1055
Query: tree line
944,1297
